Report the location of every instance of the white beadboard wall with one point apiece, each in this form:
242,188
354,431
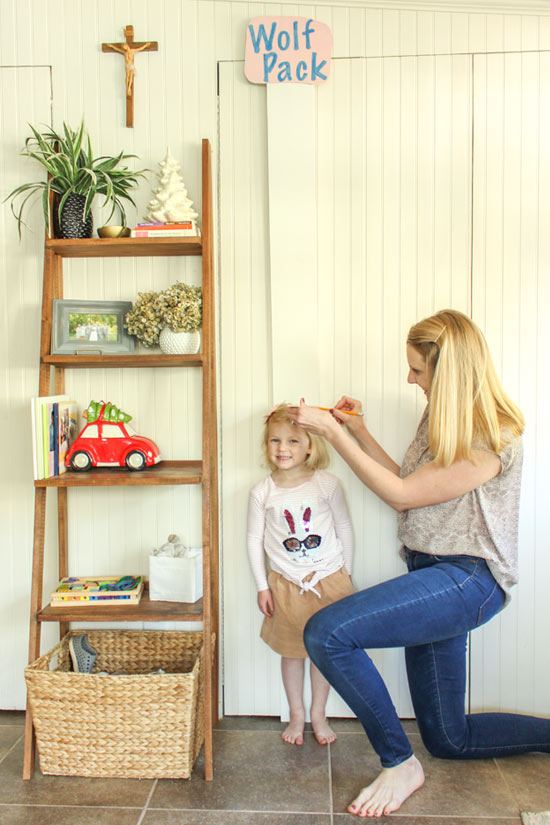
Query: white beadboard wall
176,104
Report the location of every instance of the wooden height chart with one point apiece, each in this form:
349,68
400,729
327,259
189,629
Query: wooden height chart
129,49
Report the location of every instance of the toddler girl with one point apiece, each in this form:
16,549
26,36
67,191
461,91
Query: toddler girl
298,517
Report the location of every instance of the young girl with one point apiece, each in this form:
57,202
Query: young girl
298,517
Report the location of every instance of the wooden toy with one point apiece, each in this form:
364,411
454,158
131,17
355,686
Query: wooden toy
84,591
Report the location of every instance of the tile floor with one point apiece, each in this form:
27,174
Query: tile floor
260,781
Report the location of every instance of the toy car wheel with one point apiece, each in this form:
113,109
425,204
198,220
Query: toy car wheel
80,461
135,460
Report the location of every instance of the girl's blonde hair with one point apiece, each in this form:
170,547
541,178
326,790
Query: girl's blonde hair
468,406
318,458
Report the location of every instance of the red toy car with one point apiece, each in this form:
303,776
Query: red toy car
111,444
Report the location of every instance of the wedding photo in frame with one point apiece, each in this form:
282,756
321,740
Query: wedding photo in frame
87,327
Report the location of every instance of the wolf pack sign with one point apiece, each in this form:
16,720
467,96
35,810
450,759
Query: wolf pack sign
287,50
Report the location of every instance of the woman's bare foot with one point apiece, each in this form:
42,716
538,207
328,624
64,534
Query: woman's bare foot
294,732
389,790
322,730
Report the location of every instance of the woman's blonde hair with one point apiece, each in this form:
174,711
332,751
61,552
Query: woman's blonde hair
318,458
468,406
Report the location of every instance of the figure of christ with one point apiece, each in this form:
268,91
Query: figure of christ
129,49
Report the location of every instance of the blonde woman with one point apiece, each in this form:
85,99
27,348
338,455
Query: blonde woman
298,519
457,499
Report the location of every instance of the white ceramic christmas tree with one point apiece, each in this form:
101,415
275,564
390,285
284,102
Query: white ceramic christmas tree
170,202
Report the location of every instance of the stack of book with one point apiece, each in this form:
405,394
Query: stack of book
182,229
54,421
84,591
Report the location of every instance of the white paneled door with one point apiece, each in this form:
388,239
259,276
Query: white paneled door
511,300
25,96
383,207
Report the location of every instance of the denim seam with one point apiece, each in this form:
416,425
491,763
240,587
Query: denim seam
439,708
442,559
470,577
380,724
485,603
470,748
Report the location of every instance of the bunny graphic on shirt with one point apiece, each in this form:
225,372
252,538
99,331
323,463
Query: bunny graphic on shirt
305,549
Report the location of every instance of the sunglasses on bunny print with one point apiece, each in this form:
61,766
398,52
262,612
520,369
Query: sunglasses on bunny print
294,544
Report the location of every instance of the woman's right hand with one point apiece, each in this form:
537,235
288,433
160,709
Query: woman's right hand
265,602
354,423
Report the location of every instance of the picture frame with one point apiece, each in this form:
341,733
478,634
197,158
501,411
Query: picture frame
90,328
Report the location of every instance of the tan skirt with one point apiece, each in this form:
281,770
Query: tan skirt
284,630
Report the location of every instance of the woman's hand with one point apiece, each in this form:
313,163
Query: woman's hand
349,404
354,423
265,602
312,419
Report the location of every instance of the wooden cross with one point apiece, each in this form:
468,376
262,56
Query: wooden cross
128,49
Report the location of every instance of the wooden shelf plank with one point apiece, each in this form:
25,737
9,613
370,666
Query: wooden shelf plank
167,472
124,247
145,611
110,361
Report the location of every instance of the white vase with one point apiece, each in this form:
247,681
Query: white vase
179,343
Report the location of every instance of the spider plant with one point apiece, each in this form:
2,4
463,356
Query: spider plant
68,159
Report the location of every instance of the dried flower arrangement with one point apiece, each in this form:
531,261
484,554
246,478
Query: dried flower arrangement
178,307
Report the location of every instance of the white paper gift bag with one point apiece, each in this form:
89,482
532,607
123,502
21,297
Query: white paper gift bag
176,578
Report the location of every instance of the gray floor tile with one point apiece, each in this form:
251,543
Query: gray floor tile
72,790
262,723
528,777
400,818
254,773
155,817
354,726
41,815
347,726
256,723
9,734
12,717
452,788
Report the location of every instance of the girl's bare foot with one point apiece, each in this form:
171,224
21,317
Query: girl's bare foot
294,732
389,790
322,730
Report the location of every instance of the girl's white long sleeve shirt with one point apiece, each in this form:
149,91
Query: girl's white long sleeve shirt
305,531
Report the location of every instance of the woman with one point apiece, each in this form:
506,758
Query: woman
457,496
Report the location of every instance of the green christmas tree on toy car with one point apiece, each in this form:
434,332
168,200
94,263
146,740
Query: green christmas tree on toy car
110,412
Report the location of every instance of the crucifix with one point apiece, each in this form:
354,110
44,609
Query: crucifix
129,49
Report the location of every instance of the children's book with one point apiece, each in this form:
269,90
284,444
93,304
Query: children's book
37,417
84,591
36,452
190,224
54,438
166,233
48,434
67,430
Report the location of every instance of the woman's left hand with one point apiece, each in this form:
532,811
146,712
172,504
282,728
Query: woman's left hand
312,419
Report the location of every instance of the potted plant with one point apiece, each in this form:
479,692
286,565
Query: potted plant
171,318
75,177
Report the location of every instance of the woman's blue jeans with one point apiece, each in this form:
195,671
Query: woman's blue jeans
429,612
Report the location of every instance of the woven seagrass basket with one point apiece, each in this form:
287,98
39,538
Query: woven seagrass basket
138,724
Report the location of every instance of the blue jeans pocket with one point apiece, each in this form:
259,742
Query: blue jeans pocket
491,606
462,568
